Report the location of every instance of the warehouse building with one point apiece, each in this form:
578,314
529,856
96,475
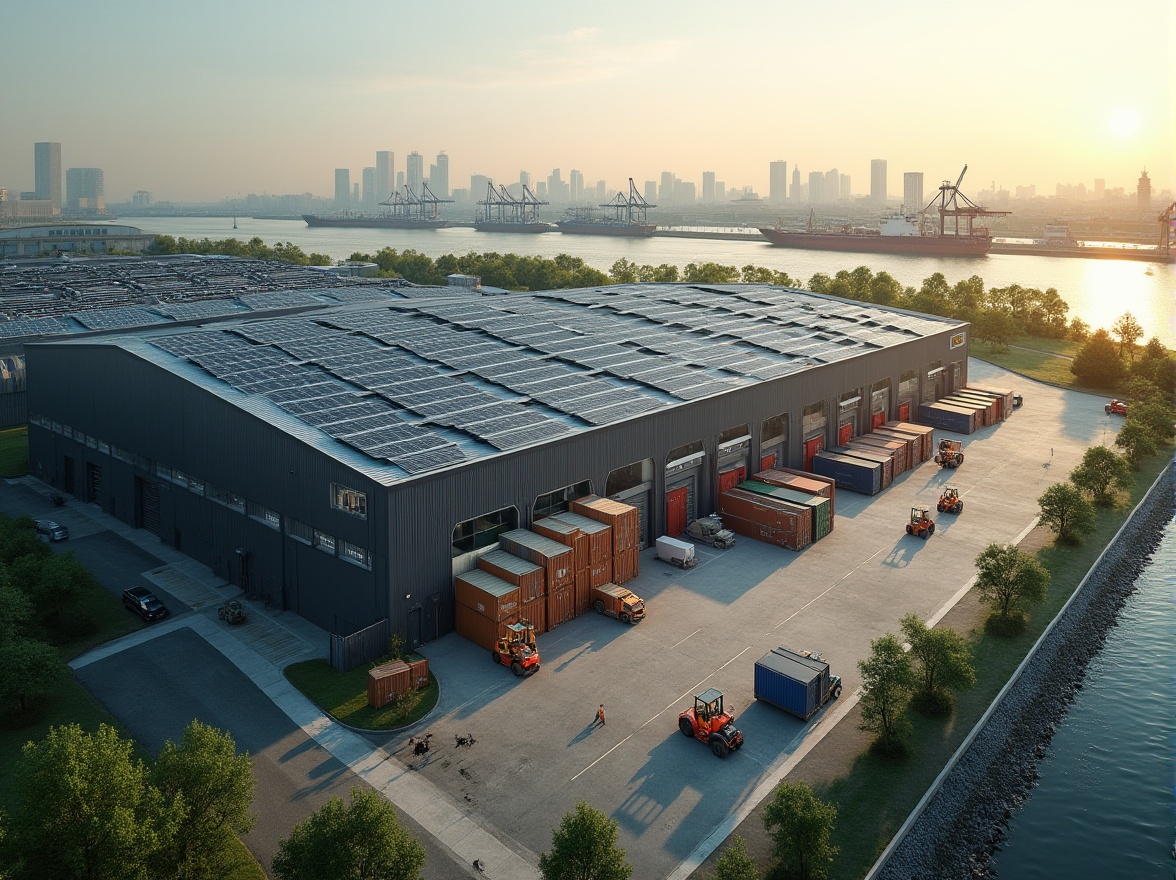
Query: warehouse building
345,464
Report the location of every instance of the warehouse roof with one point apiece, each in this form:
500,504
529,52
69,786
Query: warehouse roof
402,388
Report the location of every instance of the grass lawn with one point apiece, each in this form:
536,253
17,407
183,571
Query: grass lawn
343,696
14,452
877,795
1040,365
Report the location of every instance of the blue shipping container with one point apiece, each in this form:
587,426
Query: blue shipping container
855,474
791,681
947,418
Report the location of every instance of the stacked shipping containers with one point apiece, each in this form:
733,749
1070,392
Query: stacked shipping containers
558,564
948,417
925,435
625,522
485,606
768,519
819,505
855,474
528,577
593,542
802,481
1004,397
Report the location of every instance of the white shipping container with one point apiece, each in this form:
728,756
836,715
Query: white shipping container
675,552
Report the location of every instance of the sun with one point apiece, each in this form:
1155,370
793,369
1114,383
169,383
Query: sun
1123,123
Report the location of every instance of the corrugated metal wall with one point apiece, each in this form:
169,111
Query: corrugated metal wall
112,395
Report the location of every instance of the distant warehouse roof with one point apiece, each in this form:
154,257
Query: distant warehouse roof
402,388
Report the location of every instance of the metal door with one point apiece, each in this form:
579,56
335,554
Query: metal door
811,448
414,627
676,510
146,505
877,420
904,411
730,479
93,482
767,462
844,433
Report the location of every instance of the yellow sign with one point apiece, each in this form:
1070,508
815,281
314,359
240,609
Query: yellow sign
957,340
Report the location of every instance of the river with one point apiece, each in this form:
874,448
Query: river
1103,807
1098,291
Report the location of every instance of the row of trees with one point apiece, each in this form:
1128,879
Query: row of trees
509,271
1109,360
255,249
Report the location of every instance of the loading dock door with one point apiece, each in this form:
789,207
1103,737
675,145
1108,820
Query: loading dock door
676,500
730,479
768,462
93,482
904,411
146,505
638,497
844,433
877,420
811,448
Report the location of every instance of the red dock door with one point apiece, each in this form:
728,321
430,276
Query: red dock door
730,479
811,448
877,420
768,462
904,411
676,511
844,433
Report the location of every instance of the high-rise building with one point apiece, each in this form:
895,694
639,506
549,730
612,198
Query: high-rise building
342,188
601,192
831,186
844,188
557,188
399,181
1100,188
141,199
651,191
385,163
912,192
525,178
415,171
665,193
777,182
1143,192
795,191
479,184
85,191
439,176
47,173
708,186
816,193
576,182
369,189
720,191
355,193
878,180
685,192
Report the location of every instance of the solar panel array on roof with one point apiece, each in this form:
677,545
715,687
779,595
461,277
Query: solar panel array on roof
115,319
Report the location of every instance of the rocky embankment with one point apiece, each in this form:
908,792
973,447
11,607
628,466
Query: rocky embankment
962,827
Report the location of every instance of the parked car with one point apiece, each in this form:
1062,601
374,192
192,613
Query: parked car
1116,408
144,603
51,531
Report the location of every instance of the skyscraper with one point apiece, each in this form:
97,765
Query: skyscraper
665,193
651,191
85,190
47,173
816,193
831,188
342,188
415,172
844,188
385,162
439,176
912,192
777,182
1143,192
708,186
369,189
878,180
796,197
576,181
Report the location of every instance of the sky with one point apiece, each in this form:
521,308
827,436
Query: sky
212,100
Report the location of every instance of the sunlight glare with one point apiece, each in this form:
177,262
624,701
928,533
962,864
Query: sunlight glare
1123,122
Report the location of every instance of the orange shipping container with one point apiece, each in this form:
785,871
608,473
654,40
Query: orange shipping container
923,432
487,595
760,531
623,518
599,575
793,522
420,672
481,630
583,591
625,566
598,535
556,559
388,681
535,611
802,481
527,576
896,450
561,606
914,445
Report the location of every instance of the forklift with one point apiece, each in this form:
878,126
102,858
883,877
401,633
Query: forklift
921,524
517,649
950,501
950,454
706,722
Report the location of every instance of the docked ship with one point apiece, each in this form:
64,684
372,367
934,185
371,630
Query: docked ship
900,234
406,210
502,212
624,216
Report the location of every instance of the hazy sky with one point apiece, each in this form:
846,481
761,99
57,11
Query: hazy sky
205,100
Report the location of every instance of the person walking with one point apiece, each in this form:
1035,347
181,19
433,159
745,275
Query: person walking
599,715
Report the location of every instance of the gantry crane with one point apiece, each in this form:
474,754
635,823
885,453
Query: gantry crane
631,209
1167,230
953,203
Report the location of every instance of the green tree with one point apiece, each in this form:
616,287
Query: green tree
85,809
584,847
801,828
1079,330
1156,416
1007,578
994,326
346,842
820,283
735,863
1129,332
1099,471
212,788
884,290
710,273
1156,365
888,681
944,659
1098,363
933,298
29,671
1066,511
1137,442
967,299
16,612
623,272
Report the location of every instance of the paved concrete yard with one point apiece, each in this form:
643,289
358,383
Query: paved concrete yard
536,754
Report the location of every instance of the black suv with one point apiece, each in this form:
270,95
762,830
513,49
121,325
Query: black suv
51,531
144,603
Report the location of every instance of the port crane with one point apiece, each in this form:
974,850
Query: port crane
1167,230
631,209
501,207
408,205
952,203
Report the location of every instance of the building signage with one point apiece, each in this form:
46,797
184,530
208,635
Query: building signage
957,340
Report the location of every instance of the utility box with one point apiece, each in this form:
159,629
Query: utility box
795,681
675,552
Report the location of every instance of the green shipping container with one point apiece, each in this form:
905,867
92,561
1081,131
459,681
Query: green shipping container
819,504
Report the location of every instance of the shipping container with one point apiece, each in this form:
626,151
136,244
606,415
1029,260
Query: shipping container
924,433
983,396
624,519
561,606
535,611
985,409
527,576
820,506
912,445
487,595
767,519
792,681
555,559
598,534
626,565
855,474
420,672
583,590
992,405
387,682
896,449
557,530
601,573
1004,394
949,418
479,629
878,457
804,481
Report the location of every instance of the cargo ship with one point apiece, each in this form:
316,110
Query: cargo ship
900,234
627,217
605,227
373,221
502,212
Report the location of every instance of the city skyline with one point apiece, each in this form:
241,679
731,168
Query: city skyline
276,102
